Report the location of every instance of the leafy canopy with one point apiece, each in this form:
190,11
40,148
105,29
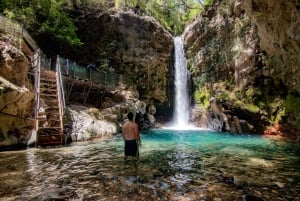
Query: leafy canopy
49,17
172,14
44,16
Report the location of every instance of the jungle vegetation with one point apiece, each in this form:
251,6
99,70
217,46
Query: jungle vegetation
51,17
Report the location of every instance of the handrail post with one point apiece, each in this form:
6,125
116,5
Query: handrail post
60,82
37,94
105,74
68,67
61,98
90,79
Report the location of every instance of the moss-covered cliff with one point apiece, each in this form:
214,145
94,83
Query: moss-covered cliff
243,59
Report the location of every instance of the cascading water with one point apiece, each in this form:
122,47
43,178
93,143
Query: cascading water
182,106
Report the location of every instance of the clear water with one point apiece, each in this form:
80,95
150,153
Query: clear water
174,165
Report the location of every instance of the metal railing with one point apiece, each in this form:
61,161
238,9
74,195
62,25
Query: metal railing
67,67
89,73
70,69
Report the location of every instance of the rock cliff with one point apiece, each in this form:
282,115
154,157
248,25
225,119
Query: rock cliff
243,59
16,99
136,47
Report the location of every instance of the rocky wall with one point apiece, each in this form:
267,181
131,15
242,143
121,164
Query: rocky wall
16,95
238,85
136,47
87,122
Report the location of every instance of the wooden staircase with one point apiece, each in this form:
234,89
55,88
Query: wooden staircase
49,108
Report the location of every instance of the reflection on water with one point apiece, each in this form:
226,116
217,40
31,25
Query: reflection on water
174,165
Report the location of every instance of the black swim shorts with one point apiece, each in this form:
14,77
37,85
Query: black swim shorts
131,148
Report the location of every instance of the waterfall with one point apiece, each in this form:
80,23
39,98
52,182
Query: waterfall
182,106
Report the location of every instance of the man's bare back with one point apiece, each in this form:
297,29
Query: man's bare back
131,137
130,131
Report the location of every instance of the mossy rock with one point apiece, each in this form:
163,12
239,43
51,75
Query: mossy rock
252,92
202,96
252,108
292,105
259,101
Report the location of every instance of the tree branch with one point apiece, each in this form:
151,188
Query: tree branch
8,84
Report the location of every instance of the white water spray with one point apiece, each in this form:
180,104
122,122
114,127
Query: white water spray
182,106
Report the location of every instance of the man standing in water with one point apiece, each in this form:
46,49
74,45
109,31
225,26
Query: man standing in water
131,137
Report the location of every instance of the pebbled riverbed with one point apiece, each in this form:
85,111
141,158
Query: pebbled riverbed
173,165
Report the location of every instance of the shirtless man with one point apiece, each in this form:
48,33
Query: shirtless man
131,137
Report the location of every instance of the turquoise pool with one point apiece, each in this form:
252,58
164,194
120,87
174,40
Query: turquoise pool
173,165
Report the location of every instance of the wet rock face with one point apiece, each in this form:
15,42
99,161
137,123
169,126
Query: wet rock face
243,54
137,47
278,27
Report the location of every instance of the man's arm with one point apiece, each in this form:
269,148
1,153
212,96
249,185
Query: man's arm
123,135
138,134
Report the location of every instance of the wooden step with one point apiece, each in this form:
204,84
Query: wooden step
47,89
48,83
41,118
45,80
49,95
50,120
45,83
52,96
48,113
52,107
51,128
49,135
51,103
49,131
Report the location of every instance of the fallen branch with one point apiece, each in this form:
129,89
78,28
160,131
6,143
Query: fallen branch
8,84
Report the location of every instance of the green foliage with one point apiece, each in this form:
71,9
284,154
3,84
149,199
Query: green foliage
59,24
172,14
202,96
275,108
48,17
44,16
252,108
208,2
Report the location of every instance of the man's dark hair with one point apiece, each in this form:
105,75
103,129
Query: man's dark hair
130,116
